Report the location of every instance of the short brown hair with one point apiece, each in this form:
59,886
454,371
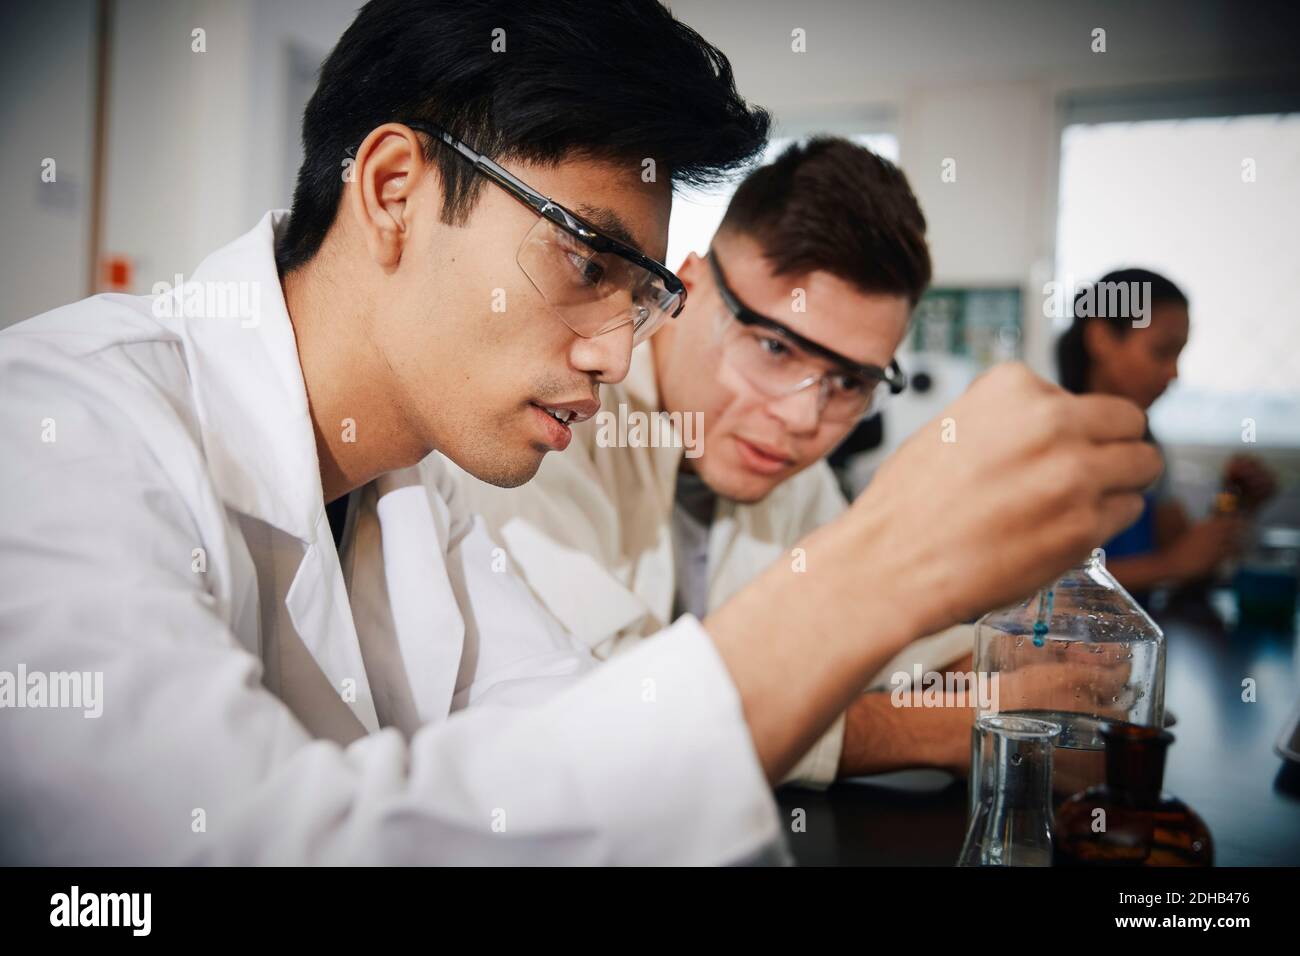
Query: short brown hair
830,205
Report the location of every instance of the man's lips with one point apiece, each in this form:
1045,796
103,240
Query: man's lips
762,458
550,414
577,411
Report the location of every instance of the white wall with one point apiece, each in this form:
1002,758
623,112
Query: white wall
46,74
201,143
279,28
178,125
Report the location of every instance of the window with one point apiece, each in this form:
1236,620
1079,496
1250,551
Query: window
1212,204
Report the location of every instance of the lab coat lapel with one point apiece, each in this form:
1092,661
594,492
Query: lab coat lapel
408,618
261,447
604,605
322,615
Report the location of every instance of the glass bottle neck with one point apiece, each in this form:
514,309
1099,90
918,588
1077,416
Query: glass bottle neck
1135,764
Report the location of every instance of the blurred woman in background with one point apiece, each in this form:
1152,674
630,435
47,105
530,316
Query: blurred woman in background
1132,351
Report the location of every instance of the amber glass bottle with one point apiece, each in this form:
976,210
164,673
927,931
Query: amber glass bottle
1127,821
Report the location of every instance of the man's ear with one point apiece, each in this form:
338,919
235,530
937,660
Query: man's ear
389,166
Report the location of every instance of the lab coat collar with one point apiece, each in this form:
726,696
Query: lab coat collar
252,402
260,444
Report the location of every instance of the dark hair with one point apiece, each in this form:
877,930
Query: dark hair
831,205
1072,359
615,80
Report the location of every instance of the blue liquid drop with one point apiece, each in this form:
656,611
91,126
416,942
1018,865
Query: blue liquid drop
1044,615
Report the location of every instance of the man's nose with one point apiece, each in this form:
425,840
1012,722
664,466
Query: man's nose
605,357
799,412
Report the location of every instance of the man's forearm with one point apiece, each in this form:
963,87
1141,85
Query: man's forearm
880,737
793,644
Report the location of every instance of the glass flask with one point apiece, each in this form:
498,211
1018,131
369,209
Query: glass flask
1127,821
1011,821
1076,654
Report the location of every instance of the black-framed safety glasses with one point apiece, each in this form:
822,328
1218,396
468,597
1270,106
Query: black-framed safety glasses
778,361
593,282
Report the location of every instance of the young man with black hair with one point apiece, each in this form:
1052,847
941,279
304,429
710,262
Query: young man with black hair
274,694
787,341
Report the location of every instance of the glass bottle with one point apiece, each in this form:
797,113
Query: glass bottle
1011,822
1076,654
1128,821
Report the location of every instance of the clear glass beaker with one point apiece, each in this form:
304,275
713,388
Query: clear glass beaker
1011,820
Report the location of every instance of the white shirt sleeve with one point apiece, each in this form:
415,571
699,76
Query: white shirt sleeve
647,760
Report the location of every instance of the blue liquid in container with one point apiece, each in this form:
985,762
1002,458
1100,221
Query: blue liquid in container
1044,615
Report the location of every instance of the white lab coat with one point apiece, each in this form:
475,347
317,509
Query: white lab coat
592,535
162,524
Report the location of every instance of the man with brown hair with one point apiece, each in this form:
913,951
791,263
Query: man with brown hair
708,462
